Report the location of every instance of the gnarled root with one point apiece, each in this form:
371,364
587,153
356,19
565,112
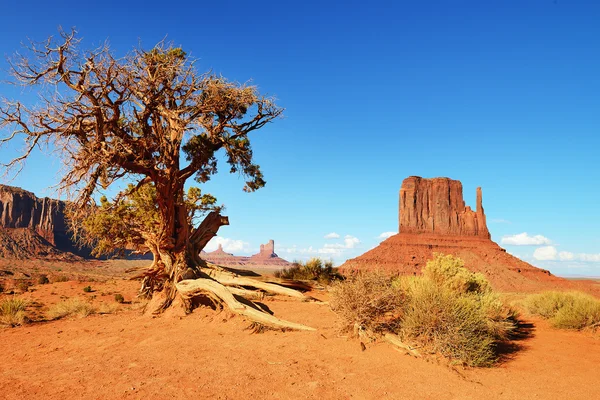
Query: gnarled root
194,287
230,279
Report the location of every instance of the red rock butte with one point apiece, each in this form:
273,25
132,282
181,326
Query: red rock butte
433,218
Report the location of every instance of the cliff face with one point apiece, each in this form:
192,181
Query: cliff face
22,209
31,227
436,206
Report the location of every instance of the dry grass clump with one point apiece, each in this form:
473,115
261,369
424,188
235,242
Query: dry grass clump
71,307
566,310
367,302
314,269
448,310
12,311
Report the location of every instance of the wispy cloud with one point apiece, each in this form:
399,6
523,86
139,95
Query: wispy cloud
385,235
550,253
523,239
332,235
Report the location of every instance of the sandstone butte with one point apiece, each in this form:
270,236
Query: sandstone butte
266,258
433,218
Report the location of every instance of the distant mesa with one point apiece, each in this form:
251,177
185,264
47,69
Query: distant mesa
266,258
433,217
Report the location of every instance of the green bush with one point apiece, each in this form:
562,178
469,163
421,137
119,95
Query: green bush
450,271
70,307
448,310
314,269
566,310
87,289
43,280
119,298
12,311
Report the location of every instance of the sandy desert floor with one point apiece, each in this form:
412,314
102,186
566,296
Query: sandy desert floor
213,355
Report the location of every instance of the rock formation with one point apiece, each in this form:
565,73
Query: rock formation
22,209
434,218
436,206
33,227
265,259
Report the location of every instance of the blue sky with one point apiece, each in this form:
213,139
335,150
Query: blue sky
499,94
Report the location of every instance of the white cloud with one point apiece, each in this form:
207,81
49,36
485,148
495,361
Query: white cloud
545,253
386,235
523,239
566,256
332,235
351,241
229,245
589,257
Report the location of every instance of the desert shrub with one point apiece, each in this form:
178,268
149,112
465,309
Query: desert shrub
43,280
61,278
450,271
464,327
1,287
314,269
448,310
12,311
70,307
119,298
566,310
367,302
87,289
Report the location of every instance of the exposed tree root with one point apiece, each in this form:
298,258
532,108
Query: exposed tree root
230,279
191,288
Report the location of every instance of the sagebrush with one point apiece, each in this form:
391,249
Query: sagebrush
566,310
448,310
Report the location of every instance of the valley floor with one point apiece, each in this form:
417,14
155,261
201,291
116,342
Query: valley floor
211,355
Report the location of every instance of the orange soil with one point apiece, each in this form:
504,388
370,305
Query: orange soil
211,355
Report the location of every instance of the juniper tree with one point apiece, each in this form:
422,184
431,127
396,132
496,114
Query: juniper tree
149,118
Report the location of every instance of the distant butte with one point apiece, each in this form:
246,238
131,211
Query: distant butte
266,258
433,217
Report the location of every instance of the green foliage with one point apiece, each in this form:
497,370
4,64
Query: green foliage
314,269
43,280
450,271
70,307
566,310
87,289
448,310
12,311
115,226
119,298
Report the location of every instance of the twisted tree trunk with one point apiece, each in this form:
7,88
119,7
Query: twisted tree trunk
179,271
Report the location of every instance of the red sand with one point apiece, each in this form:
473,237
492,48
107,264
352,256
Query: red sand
210,355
